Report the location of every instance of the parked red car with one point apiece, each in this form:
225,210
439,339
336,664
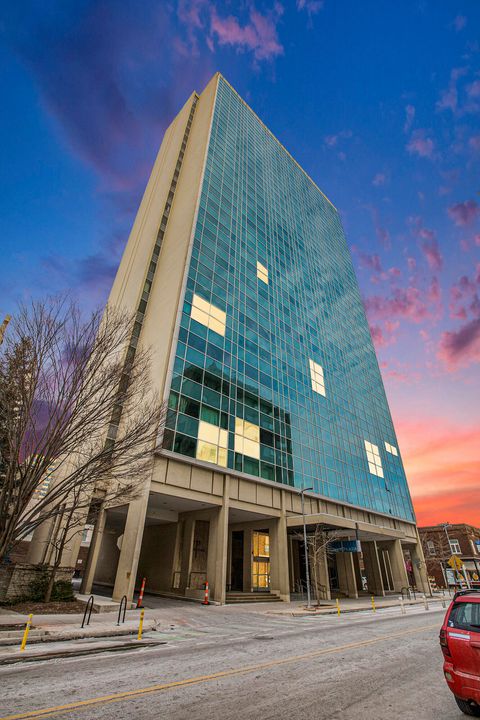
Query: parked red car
460,643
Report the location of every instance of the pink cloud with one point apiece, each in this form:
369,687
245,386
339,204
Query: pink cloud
379,179
460,348
434,291
259,34
412,263
311,6
332,140
474,143
473,89
409,118
381,232
464,298
432,253
379,339
370,261
408,303
464,213
449,97
421,145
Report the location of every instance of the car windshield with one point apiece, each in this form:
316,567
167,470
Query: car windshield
465,616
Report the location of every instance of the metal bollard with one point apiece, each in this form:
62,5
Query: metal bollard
425,602
140,597
140,627
338,607
373,604
402,606
25,634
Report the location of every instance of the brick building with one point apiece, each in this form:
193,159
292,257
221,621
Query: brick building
440,542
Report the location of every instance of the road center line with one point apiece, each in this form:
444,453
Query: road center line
130,694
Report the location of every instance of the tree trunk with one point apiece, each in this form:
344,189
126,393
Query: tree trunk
51,582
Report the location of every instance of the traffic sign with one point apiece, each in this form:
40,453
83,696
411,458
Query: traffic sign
455,562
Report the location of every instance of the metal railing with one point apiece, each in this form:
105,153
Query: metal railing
124,605
408,592
88,608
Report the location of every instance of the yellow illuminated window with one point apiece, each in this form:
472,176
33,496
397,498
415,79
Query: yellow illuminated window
212,443
317,378
374,459
247,438
391,449
262,272
208,314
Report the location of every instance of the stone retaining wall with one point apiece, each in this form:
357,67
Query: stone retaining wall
15,579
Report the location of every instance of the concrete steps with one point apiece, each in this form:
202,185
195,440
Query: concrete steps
232,598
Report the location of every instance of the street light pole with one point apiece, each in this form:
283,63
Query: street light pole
307,569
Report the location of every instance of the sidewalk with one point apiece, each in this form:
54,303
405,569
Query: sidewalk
62,636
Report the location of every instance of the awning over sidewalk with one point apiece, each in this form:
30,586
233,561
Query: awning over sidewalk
367,531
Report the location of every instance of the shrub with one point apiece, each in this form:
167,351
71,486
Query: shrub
62,590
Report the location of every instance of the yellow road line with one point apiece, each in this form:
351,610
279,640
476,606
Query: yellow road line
128,694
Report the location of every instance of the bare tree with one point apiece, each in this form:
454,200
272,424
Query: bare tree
76,394
437,551
317,544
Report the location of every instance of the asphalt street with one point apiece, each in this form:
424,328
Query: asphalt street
228,664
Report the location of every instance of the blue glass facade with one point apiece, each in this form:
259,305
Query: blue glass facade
275,373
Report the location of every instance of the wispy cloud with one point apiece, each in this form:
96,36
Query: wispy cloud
312,7
459,22
409,118
379,179
258,35
464,213
462,347
421,144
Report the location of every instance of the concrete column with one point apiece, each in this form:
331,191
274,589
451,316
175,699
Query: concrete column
218,545
220,579
372,568
346,574
397,563
247,559
420,568
38,548
279,579
131,546
93,554
186,551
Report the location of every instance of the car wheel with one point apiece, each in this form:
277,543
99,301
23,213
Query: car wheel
468,708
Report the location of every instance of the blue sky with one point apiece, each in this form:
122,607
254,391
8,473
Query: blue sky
380,103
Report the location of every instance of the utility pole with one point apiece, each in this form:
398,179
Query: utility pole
307,569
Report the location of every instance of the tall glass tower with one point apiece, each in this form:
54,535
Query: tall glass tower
275,374
242,283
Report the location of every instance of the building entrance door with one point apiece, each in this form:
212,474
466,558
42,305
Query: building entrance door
260,561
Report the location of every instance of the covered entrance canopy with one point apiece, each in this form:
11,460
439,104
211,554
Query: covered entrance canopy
378,567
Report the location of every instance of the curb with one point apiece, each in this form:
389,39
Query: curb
77,652
333,611
49,636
